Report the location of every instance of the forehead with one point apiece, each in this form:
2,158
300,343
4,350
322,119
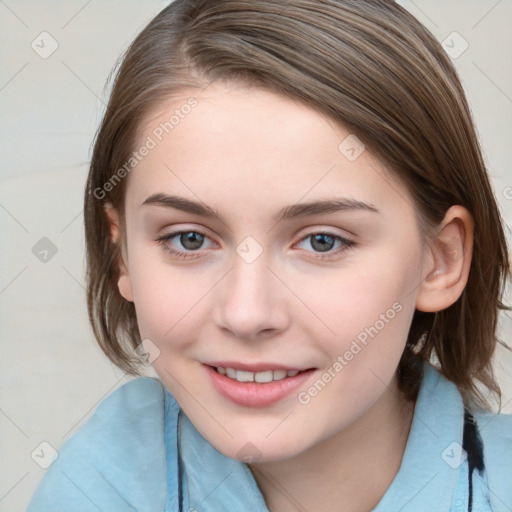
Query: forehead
228,112
234,141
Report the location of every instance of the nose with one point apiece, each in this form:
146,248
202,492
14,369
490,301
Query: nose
251,302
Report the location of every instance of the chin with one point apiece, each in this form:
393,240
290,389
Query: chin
257,452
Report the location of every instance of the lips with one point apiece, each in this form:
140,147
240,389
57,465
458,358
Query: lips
251,393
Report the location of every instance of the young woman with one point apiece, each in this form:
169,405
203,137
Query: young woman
288,213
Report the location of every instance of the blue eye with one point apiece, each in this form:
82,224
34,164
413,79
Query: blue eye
324,243
190,240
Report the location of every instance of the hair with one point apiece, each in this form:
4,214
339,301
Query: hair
371,66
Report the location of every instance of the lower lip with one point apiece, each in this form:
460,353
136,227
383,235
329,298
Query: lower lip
256,394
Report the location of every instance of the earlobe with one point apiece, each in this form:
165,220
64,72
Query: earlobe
125,287
449,262
124,282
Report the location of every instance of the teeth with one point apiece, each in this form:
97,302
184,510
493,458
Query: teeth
279,374
244,376
266,376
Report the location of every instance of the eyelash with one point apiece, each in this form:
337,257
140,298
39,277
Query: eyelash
346,244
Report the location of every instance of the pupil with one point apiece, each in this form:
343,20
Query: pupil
318,242
191,240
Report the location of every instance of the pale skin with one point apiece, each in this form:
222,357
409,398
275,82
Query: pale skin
247,153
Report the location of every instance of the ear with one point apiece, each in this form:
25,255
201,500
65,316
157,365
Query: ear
123,283
448,261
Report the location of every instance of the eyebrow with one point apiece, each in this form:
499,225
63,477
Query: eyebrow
286,213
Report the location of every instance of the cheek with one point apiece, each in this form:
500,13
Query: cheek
165,297
370,315
368,308
349,300
163,311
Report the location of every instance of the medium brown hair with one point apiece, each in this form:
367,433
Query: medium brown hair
372,67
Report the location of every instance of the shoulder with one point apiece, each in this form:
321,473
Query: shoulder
130,398
117,458
131,412
496,428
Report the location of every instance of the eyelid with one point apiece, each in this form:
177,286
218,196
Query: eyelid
173,230
172,234
328,229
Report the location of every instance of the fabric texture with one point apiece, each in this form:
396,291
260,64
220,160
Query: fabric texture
115,462
140,452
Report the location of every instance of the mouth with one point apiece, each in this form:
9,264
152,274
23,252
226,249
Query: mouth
256,388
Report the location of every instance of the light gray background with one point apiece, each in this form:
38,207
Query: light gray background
52,373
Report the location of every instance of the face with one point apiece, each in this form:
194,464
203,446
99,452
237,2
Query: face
228,267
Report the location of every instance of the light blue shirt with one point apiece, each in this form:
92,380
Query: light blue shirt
140,452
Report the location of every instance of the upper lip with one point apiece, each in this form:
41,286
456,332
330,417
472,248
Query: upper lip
253,367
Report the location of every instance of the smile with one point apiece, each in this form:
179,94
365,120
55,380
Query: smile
256,389
246,376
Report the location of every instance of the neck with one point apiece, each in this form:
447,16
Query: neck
354,468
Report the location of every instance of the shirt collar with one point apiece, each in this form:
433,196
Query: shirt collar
429,471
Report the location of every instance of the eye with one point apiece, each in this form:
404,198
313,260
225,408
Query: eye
322,243
190,240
